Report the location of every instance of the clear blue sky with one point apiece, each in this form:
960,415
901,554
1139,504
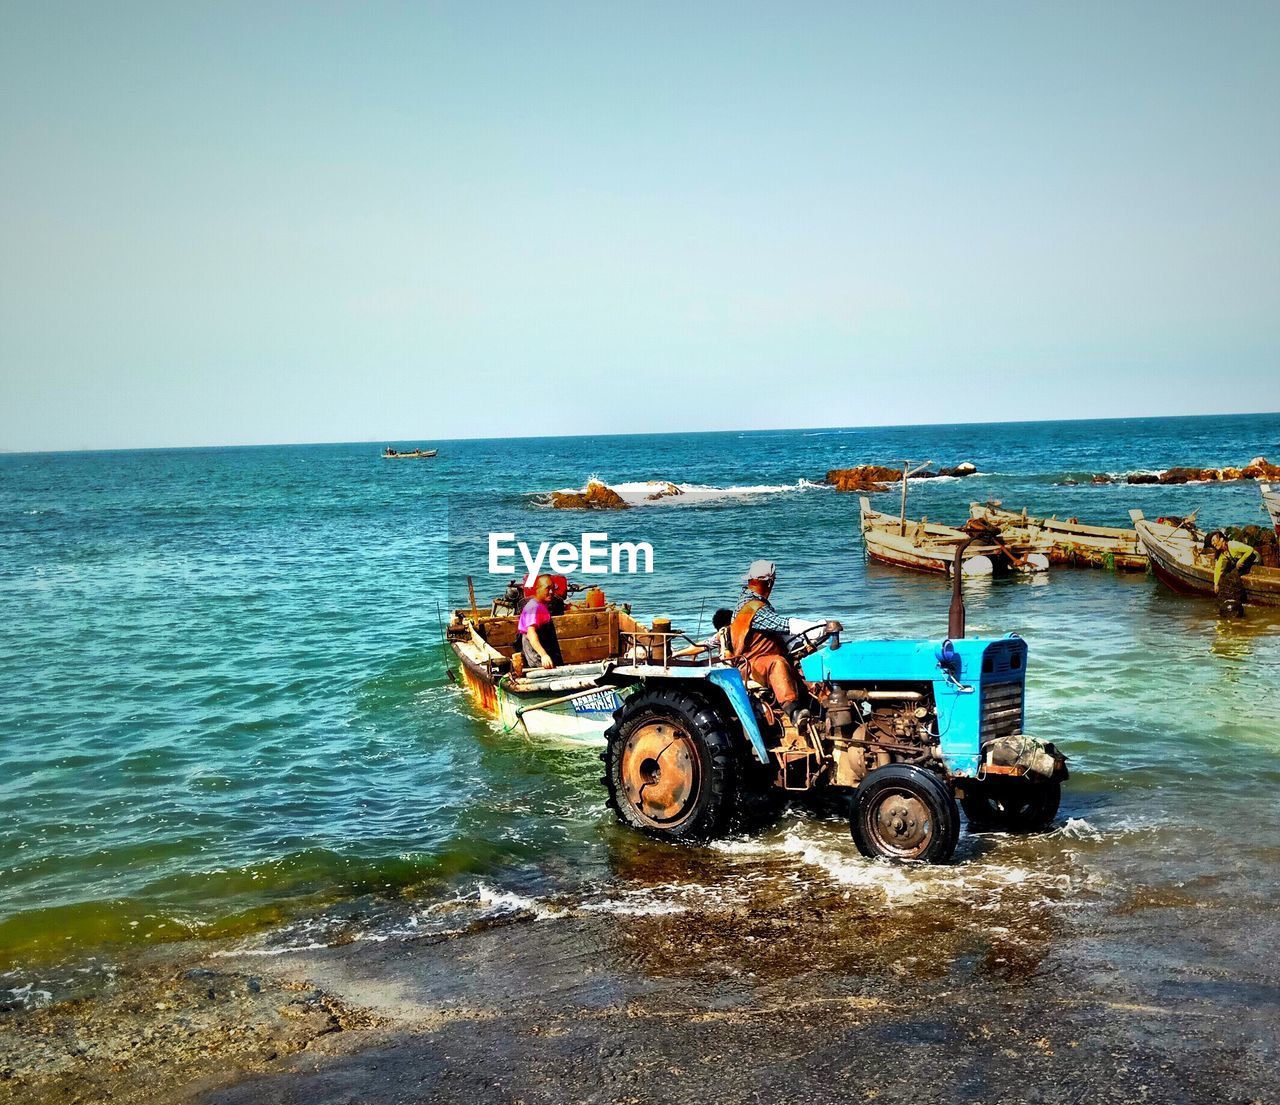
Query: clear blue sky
229,223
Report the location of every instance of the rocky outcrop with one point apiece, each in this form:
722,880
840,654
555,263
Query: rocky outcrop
595,496
1257,469
874,477
1260,469
865,477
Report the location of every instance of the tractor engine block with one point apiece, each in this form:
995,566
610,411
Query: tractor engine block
874,727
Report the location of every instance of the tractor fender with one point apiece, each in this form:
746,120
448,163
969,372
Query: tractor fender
727,682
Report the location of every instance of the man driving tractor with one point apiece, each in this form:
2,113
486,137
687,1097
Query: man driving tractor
758,640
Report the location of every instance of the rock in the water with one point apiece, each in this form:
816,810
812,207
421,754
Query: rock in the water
1101,478
1260,469
865,477
665,491
595,496
1257,469
873,477
1190,475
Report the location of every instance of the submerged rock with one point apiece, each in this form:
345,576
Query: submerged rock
595,496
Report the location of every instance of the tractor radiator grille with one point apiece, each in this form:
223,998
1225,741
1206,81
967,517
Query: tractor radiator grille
1001,710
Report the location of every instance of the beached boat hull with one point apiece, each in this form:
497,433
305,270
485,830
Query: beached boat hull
1271,500
1073,543
1180,563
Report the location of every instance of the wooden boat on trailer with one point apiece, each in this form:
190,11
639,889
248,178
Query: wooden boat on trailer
575,702
926,546
1179,561
408,454
1073,542
1271,500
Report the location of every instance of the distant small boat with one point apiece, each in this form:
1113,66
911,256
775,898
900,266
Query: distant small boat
1074,542
1271,500
1180,562
409,454
926,546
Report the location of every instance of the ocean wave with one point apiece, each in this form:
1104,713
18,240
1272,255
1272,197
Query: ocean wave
673,493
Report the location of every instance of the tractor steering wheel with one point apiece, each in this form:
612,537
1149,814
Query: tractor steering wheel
811,639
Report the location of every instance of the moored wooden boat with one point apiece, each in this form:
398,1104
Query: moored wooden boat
1179,561
1271,500
926,546
1073,542
408,454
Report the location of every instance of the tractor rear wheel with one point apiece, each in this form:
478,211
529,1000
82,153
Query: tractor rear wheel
670,766
904,813
1012,805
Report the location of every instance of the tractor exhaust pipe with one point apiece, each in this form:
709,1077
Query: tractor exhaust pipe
955,616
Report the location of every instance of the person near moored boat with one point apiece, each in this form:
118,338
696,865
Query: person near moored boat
1232,559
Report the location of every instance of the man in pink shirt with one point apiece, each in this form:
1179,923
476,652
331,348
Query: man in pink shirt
536,630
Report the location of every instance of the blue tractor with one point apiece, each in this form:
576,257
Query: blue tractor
904,730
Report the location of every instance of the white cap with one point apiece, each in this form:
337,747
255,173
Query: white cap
760,569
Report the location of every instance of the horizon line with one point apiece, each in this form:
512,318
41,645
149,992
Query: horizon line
631,434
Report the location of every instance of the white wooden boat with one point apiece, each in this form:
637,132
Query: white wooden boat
1271,500
1179,561
1073,542
926,546
408,454
572,703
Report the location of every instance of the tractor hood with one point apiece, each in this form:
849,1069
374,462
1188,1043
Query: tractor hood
910,661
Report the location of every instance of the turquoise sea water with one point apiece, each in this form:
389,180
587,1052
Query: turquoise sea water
223,701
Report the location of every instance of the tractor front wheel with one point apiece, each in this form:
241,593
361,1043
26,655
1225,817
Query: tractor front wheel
904,813
1012,805
670,766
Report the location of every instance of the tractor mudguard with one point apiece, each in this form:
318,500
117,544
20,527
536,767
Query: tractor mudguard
729,680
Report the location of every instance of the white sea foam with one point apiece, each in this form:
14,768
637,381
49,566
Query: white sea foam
633,909
28,997
658,492
289,949
501,902
1077,828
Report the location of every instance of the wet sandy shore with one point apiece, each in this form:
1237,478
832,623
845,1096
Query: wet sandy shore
787,991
